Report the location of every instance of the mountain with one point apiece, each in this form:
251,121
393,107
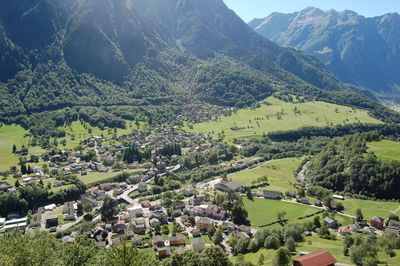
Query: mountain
109,60
358,50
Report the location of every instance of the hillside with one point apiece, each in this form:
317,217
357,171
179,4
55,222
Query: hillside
107,61
358,50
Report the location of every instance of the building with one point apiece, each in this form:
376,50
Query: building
38,218
269,194
198,244
345,230
142,187
188,191
331,223
178,240
163,252
51,221
203,223
88,200
135,211
377,222
225,186
69,211
158,241
391,230
338,197
394,223
317,258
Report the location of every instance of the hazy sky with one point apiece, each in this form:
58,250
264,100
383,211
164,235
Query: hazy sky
249,9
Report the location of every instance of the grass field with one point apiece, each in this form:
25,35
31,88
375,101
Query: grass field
10,135
335,247
385,149
265,119
369,208
263,211
279,172
93,177
76,132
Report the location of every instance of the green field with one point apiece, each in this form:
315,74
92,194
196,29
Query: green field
335,247
385,149
279,172
369,208
10,135
76,132
263,211
265,119
93,177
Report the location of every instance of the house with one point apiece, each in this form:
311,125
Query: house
338,197
377,222
195,232
203,223
317,258
163,252
345,230
369,230
69,211
318,203
155,205
176,213
269,194
394,223
391,230
38,218
154,222
198,244
88,200
158,241
330,223
225,186
135,211
239,234
137,241
188,191
50,207
51,221
139,226
303,200
177,240
119,227
146,204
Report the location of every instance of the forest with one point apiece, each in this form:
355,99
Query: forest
345,165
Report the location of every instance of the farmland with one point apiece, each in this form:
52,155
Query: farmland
263,211
385,149
369,208
10,135
279,115
93,177
279,172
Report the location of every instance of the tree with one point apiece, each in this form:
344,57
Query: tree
290,244
109,209
249,194
369,261
324,232
79,210
211,232
272,242
217,238
261,259
127,256
14,148
87,207
17,184
317,222
282,257
80,252
165,230
23,169
359,215
281,215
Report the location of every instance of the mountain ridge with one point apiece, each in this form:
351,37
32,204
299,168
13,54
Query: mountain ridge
359,50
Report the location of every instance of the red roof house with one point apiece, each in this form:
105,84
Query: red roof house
317,258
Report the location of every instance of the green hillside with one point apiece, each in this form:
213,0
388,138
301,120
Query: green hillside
385,149
280,115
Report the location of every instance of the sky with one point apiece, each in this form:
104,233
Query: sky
250,9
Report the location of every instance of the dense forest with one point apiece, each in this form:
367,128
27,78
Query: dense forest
346,166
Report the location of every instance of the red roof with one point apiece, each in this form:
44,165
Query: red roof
317,258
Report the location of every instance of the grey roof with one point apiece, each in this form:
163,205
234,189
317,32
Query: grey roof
198,241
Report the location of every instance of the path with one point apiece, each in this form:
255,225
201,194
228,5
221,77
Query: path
396,210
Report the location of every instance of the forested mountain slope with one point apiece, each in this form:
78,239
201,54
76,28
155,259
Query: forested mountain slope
359,50
109,60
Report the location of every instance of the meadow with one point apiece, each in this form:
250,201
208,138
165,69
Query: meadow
280,115
264,211
385,149
369,208
280,174
314,243
10,135
93,177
